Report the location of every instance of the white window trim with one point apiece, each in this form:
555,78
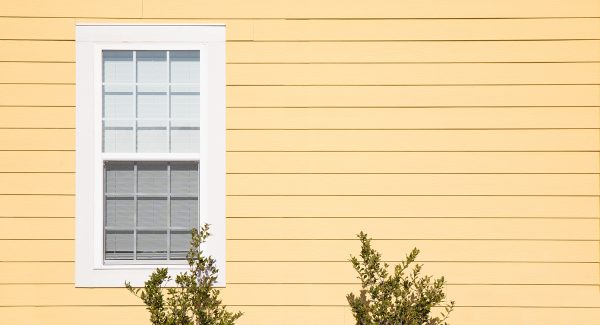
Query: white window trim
91,39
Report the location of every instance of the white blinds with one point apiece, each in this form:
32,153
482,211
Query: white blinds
150,208
150,101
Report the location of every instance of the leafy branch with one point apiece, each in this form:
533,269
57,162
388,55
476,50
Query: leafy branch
193,300
404,297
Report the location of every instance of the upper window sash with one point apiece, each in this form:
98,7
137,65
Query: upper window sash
99,100
151,101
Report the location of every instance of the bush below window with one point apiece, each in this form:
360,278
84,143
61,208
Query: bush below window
194,300
404,297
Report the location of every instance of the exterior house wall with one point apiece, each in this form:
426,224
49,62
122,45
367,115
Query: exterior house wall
469,129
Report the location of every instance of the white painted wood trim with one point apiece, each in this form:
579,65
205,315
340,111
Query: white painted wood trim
91,39
161,33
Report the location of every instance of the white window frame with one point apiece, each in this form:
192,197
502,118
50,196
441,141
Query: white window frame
91,40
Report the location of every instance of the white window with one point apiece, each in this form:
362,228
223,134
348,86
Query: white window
150,132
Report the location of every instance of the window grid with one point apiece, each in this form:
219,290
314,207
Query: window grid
135,116
169,208
192,89
136,228
135,209
168,66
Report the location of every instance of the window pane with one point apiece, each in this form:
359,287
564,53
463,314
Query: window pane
118,102
185,66
184,212
152,136
180,244
185,122
117,66
153,178
120,178
153,204
118,136
152,67
184,178
152,245
118,113
185,137
152,102
119,245
185,102
152,212
120,212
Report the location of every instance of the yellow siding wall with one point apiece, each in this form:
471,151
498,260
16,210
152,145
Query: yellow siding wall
468,128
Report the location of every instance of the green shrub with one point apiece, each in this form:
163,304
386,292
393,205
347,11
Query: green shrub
193,301
404,297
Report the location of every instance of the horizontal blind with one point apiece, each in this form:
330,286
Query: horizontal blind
150,209
150,101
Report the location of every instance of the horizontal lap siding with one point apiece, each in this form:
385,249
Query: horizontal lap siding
492,273
411,140
305,9
426,51
372,118
350,140
346,228
349,184
348,96
375,118
349,162
414,74
351,51
19,28
351,73
42,205
309,294
328,250
317,315
428,124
